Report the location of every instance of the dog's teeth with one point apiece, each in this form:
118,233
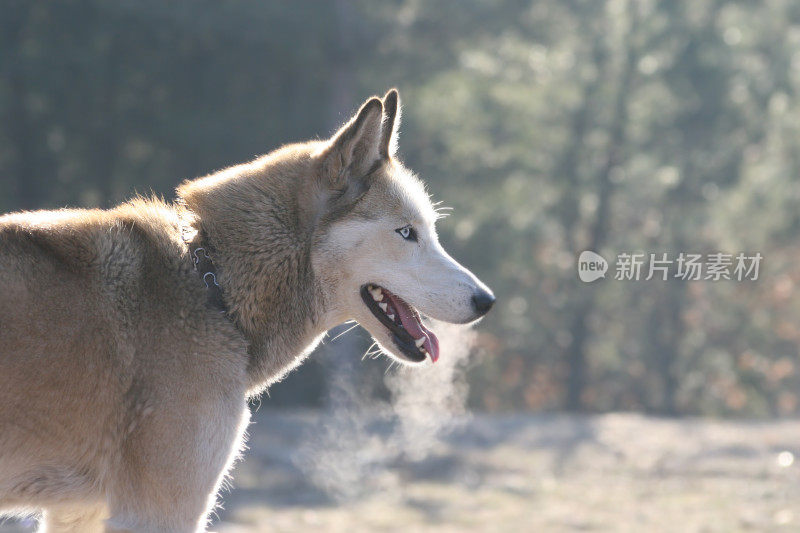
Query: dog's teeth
377,294
391,317
419,342
383,306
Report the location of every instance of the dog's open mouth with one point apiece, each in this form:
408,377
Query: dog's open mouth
404,322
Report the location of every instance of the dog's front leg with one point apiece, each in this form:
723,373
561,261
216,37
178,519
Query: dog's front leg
173,468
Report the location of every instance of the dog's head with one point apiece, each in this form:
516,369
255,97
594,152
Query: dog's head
377,256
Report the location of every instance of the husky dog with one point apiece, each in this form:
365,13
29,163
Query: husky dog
131,338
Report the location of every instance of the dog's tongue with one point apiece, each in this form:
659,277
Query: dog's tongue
416,329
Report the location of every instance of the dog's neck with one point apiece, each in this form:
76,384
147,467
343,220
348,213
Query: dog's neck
263,265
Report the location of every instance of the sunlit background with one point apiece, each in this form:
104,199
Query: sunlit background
550,127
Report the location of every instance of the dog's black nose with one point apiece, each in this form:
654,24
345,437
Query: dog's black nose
482,301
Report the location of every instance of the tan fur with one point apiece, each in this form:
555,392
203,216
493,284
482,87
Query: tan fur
122,392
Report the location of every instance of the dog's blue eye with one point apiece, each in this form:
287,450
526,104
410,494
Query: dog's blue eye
408,233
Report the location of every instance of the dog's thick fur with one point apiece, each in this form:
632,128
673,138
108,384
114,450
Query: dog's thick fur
122,392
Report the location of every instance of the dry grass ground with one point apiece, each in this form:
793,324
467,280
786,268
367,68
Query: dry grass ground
614,472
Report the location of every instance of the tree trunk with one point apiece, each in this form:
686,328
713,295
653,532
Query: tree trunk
577,357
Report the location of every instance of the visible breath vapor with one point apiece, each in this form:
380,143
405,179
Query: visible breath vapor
361,438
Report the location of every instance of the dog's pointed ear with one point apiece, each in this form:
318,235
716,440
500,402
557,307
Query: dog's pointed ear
355,148
391,123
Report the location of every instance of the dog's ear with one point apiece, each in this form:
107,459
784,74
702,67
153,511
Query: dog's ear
391,123
355,149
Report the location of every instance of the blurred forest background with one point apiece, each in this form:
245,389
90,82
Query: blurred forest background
551,126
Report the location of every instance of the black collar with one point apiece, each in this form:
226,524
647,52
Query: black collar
201,252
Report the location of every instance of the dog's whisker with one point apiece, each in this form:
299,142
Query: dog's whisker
369,350
345,331
391,364
442,211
